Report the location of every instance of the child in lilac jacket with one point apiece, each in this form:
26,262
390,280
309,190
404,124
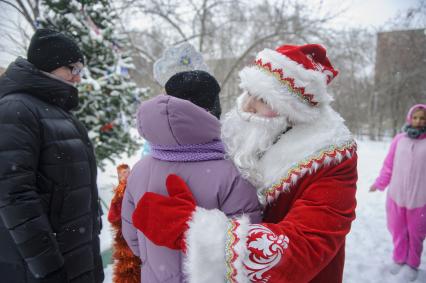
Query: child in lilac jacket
404,172
185,140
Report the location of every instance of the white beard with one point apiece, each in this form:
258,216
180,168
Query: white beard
247,137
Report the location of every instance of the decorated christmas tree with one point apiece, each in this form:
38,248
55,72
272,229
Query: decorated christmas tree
108,97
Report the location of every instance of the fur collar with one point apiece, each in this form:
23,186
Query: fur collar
304,149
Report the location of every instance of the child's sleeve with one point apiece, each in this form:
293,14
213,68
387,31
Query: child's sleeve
242,199
128,230
386,173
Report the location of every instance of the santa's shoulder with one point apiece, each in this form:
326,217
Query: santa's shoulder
291,170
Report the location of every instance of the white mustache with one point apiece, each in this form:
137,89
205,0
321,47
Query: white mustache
247,137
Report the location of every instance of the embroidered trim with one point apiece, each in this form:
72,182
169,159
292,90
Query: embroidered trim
265,251
230,254
313,162
298,92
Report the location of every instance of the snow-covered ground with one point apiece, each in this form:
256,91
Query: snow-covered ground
369,245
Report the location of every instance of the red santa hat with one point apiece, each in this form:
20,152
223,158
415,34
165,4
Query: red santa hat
291,79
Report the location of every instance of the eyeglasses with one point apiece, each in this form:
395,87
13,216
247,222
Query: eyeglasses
75,70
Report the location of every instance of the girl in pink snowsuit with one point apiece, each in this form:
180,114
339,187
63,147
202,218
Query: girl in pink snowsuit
404,171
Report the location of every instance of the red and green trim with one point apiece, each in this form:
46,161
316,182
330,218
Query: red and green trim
317,160
231,256
298,92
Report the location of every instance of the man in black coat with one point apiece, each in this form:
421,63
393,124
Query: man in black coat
49,207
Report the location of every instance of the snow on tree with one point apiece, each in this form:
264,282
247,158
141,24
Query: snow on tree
108,97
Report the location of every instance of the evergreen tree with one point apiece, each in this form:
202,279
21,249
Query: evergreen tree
108,97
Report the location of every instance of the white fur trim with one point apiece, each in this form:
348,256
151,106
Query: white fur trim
261,84
300,144
305,141
206,239
314,82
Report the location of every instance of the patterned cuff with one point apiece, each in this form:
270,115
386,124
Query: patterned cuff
236,250
266,249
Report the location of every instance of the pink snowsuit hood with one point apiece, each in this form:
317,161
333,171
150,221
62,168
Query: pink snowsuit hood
412,110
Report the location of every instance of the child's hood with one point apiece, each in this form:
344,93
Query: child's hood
167,120
412,109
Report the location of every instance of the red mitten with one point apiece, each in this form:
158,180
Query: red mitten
164,219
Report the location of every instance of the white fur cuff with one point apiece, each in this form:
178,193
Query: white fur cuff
216,247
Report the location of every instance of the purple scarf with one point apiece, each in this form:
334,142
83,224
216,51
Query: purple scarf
188,153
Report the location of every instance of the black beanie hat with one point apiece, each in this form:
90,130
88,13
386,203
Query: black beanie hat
197,86
51,49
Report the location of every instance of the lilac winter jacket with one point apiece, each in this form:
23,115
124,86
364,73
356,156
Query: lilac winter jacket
404,170
166,120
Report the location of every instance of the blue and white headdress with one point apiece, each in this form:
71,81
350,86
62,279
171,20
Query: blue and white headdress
175,59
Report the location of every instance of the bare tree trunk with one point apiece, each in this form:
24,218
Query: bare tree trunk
203,25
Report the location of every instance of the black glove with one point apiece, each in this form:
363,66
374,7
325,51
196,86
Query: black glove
58,276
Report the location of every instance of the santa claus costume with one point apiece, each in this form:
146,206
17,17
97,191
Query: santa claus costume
305,172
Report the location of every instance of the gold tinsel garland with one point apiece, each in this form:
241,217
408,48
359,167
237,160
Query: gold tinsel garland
127,266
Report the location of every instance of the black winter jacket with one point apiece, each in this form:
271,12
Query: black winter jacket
49,208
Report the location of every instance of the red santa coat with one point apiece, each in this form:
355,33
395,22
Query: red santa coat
307,216
315,218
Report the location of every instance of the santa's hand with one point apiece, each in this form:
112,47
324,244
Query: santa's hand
163,219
